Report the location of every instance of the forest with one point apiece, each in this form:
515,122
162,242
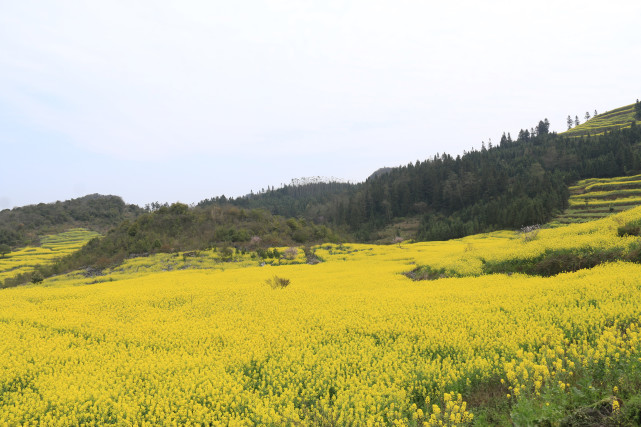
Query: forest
513,184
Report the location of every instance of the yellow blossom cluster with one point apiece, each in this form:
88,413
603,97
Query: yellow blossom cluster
630,200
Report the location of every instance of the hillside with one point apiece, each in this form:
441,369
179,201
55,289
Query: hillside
596,198
17,267
510,185
619,118
514,184
306,197
23,226
178,228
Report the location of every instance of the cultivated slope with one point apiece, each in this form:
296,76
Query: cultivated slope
619,118
596,198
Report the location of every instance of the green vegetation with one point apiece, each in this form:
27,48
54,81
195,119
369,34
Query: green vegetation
555,261
632,228
177,228
510,185
24,225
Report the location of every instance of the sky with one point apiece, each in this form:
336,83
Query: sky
184,100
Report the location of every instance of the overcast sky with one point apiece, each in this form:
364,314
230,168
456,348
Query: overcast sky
184,100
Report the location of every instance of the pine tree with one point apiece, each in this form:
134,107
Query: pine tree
569,122
587,116
576,121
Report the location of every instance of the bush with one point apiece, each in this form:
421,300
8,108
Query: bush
36,277
278,282
291,253
630,229
426,272
226,254
4,249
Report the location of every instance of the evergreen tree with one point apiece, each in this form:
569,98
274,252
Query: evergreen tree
569,122
587,116
503,141
543,127
576,121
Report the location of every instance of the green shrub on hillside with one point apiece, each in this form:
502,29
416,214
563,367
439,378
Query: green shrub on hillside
630,229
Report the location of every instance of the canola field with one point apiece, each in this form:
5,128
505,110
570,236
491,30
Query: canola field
51,247
350,341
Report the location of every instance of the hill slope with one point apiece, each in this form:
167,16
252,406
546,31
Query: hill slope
596,198
619,118
24,225
511,185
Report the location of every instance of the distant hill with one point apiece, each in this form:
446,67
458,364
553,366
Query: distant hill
305,197
510,185
619,118
518,182
178,227
379,172
24,225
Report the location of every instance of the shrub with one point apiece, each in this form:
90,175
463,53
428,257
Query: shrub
226,254
291,253
630,229
426,272
36,277
4,249
278,282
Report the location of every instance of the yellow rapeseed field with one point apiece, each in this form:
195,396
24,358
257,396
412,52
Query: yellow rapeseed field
51,248
350,341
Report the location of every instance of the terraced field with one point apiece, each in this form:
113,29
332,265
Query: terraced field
51,248
596,198
616,119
